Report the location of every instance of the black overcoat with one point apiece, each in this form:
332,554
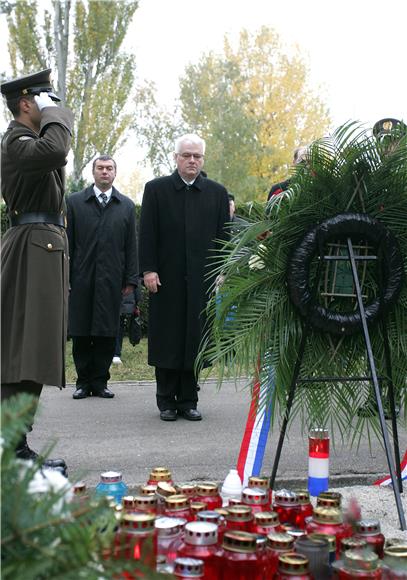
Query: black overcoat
178,227
34,263
103,260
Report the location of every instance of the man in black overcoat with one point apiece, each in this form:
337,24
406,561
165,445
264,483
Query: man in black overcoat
103,267
182,216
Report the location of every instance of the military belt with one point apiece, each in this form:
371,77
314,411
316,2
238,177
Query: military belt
37,217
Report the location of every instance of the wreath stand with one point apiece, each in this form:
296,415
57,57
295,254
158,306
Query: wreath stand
319,237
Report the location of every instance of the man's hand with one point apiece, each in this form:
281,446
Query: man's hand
151,281
44,100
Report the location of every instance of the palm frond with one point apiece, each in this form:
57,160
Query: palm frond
253,324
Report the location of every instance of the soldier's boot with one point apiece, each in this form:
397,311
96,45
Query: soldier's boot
23,451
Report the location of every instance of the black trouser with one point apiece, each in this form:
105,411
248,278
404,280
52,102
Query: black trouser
119,339
176,389
93,356
31,388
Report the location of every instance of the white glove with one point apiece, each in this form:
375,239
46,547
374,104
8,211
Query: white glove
256,263
44,100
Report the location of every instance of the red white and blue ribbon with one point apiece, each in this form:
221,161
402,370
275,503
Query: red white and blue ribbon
403,468
255,436
318,462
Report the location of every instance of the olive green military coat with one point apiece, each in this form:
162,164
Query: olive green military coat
34,263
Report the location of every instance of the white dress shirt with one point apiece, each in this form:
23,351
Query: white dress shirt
108,194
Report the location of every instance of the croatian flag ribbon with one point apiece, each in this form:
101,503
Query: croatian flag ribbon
255,436
318,461
387,480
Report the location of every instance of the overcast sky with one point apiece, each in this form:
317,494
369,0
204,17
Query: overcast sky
355,49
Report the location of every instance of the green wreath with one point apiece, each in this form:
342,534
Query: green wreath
342,226
349,172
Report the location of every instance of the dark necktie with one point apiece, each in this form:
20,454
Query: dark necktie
103,198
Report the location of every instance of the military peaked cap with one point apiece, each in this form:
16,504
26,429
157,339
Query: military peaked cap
389,126
32,84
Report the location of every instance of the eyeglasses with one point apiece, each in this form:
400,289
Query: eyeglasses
197,156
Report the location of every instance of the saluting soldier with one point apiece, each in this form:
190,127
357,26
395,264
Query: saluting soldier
34,262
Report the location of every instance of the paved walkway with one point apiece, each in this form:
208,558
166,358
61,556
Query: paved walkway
125,434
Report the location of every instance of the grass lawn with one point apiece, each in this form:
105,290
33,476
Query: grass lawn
134,367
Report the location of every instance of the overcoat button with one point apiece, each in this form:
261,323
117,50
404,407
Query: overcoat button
49,246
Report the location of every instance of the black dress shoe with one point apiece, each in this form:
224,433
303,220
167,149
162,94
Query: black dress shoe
81,393
168,415
24,452
103,393
190,414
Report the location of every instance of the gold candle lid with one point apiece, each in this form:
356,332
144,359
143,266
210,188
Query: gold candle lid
292,563
328,502
165,489
128,502
280,541
234,501
237,541
177,502
197,506
138,521
207,489
327,515
303,496
148,489
239,513
395,542
222,511
395,556
160,476
161,470
188,489
258,481
266,518
330,499
79,488
145,502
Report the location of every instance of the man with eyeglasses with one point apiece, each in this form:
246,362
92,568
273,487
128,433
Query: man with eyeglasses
182,216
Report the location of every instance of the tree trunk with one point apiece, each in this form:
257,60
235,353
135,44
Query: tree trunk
61,39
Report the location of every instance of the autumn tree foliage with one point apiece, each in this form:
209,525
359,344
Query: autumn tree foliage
82,42
253,105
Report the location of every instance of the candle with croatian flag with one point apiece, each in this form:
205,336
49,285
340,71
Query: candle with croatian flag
318,461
